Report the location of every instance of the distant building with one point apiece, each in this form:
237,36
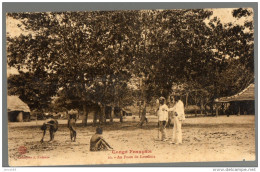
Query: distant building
18,111
241,103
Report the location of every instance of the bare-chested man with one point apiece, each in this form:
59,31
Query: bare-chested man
52,125
72,126
97,142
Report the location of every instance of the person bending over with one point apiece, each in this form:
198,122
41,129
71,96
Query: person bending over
51,125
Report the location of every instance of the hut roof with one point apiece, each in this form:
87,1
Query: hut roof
16,104
247,94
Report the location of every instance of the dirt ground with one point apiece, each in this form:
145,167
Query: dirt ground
204,139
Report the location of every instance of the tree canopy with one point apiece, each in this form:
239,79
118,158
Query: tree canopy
93,56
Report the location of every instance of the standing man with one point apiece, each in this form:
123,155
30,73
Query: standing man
162,113
179,116
72,118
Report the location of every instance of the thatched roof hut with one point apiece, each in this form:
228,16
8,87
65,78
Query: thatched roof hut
240,103
18,111
247,94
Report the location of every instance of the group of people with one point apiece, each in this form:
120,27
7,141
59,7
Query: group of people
178,117
97,142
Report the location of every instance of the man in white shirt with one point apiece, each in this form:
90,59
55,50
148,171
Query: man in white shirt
179,116
162,113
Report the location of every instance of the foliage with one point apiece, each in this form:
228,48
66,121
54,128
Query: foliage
35,89
94,56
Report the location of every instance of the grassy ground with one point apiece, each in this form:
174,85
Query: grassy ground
204,139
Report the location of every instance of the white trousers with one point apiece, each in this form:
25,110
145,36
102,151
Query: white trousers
177,133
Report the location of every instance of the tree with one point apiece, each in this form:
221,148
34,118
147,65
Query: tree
173,48
233,46
35,89
93,56
88,55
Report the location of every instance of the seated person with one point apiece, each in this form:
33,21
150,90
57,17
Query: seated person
97,142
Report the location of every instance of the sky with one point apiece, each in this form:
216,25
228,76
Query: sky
224,14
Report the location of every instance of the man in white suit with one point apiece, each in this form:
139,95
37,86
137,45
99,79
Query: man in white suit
179,117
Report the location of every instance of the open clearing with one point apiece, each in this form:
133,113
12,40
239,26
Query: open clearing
204,139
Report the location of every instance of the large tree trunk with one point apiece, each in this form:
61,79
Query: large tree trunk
85,115
112,114
143,115
95,117
140,109
187,96
201,107
205,109
102,116
211,109
121,115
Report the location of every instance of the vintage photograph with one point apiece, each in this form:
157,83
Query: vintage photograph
130,86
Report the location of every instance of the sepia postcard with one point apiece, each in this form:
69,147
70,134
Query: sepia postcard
144,86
